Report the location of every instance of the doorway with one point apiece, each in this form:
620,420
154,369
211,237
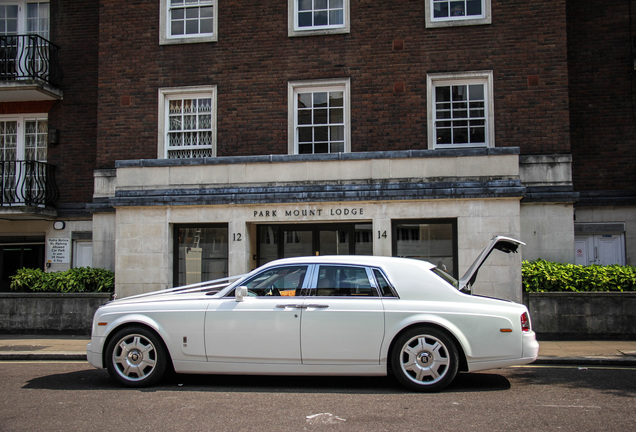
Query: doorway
599,243
286,241
17,253
601,249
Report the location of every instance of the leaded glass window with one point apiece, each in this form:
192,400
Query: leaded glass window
8,140
190,127
23,140
35,139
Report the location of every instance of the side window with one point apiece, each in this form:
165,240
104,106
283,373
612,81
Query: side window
187,122
277,282
318,17
383,284
188,21
344,281
460,110
446,13
319,113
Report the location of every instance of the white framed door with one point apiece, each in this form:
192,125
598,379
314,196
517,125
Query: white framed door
601,249
24,56
83,254
23,143
22,17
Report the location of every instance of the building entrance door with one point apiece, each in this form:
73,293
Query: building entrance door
21,252
601,249
286,241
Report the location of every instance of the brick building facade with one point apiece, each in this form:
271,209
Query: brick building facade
205,138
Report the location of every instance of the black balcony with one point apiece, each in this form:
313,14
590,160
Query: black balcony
27,183
29,58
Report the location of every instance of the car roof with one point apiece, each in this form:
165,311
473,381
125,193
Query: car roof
363,260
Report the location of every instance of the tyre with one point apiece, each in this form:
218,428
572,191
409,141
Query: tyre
424,359
136,357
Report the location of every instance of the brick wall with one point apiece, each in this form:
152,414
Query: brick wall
387,56
74,28
603,94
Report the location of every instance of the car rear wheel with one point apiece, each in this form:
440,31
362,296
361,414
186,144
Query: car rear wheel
424,359
136,357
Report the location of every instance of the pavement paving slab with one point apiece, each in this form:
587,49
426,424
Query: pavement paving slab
42,347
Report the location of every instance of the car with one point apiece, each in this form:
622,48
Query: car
320,315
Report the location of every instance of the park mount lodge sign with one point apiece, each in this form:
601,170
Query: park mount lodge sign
308,212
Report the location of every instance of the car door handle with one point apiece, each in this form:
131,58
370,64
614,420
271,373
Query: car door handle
295,306
318,306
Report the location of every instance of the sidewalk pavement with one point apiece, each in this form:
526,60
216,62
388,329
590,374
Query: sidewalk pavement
36,347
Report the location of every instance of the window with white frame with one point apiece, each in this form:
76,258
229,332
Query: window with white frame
188,21
319,117
460,110
24,17
24,137
23,143
187,122
312,17
21,55
444,13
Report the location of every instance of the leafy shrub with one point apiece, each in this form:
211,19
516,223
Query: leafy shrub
80,279
545,276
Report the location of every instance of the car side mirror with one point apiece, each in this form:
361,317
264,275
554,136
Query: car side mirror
240,293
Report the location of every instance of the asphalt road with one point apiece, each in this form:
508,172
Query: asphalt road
72,396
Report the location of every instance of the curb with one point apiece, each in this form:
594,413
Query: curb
586,361
17,356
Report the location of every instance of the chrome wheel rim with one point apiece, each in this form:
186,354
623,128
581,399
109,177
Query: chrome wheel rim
134,357
424,359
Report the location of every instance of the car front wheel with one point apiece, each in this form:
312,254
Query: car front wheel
424,359
136,357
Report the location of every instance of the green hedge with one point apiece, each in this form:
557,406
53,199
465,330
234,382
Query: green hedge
80,279
545,276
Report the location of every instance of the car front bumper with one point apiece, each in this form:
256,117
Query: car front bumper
93,357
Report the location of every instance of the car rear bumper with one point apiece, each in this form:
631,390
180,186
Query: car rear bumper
529,353
530,346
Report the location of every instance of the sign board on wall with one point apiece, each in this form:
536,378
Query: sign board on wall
58,251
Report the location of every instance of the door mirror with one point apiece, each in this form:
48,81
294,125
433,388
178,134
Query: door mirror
240,293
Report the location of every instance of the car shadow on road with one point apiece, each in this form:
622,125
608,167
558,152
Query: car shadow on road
92,379
605,379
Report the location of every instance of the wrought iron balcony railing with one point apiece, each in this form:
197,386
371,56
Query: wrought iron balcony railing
27,183
29,57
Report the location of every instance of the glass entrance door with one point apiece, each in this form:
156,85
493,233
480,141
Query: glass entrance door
17,253
285,241
334,242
